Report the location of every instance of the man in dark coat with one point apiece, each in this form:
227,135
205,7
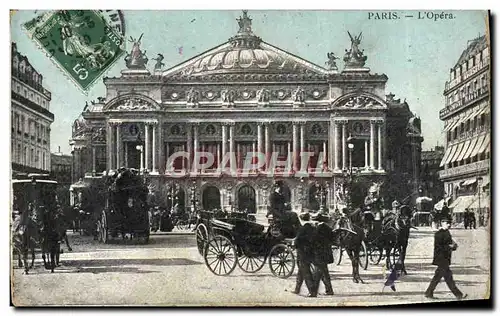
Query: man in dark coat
305,257
445,211
278,203
323,254
443,247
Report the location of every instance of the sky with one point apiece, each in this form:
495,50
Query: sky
415,54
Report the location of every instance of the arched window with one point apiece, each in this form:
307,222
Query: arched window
175,130
281,129
246,130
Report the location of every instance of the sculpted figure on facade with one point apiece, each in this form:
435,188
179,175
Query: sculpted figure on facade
99,135
355,57
263,95
360,102
331,63
299,96
228,96
193,96
134,104
136,59
159,64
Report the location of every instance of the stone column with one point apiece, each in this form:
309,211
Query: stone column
231,144
372,144
126,156
295,139
379,143
146,146
161,148
324,154
118,145
196,145
189,145
291,164
93,160
344,146
335,153
302,141
154,149
254,152
384,145
260,148
366,154
109,146
224,143
267,142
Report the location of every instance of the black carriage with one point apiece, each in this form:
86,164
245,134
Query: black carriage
236,241
125,209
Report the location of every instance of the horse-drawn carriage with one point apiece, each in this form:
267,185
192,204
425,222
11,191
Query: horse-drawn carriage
114,204
125,210
227,240
38,219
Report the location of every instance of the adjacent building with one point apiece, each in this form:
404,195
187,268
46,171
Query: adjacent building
431,184
61,165
30,117
247,96
467,117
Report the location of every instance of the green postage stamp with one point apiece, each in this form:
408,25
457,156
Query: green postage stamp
78,41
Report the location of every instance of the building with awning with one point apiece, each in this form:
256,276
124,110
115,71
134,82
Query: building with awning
467,115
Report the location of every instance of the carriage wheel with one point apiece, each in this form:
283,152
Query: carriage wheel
363,256
104,228
220,255
281,261
376,255
337,254
250,263
201,238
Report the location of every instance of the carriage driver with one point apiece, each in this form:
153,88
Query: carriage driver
372,210
278,204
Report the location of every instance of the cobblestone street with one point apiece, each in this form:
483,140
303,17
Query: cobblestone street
169,271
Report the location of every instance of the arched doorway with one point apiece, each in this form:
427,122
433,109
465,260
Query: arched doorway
246,199
211,198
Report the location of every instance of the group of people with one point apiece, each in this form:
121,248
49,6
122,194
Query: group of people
469,219
314,239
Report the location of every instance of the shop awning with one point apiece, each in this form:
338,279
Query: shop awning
485,147
452,153
439,205
445,156
469,182
485,201
464,150
450,124
472,145
461,203
478,146
457,152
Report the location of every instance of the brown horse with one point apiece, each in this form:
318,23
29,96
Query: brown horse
349,236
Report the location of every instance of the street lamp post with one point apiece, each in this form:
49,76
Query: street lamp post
141,148
349,173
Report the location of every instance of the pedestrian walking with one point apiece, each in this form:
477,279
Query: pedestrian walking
305,255
443,248
323,254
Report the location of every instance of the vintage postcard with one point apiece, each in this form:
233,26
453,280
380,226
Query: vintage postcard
250,158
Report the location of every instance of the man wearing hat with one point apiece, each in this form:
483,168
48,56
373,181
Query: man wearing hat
371,207
305,256
278,204
323,254
443,247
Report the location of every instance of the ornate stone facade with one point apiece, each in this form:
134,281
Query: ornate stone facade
247,96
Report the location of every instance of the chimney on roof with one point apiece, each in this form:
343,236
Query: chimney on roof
59,149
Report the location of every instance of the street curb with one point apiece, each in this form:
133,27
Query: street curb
171,233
